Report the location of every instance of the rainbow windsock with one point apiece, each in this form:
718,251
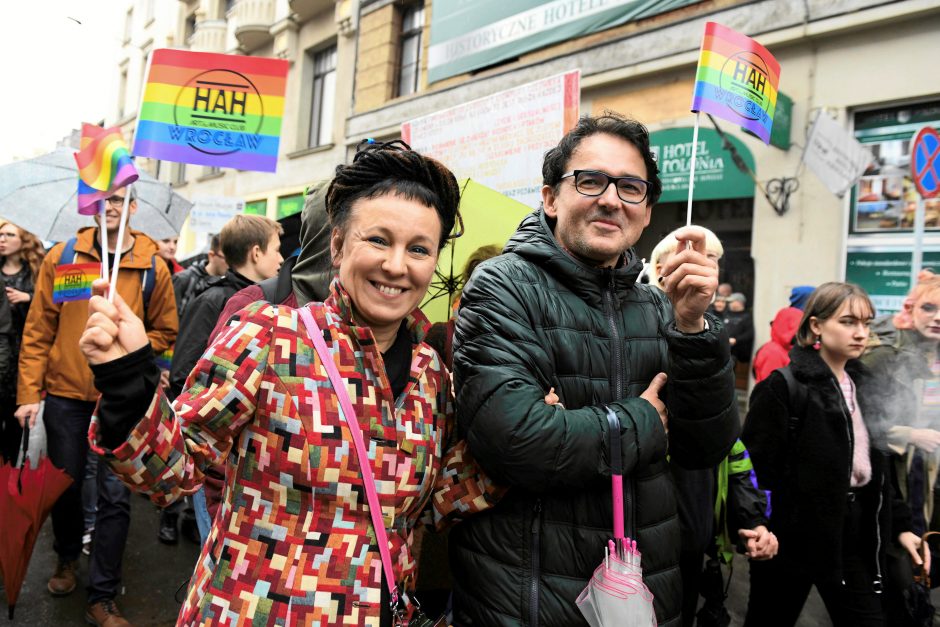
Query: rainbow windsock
212,109
736,80
104,164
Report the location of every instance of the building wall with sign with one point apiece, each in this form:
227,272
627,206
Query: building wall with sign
841,57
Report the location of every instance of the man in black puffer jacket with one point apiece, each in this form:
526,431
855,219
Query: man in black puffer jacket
561,309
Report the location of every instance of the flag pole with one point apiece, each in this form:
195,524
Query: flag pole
688,213
127,192
103,228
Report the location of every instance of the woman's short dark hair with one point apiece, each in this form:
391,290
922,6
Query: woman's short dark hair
393,167
610,123
825,302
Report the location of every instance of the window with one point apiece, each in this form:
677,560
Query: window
128,24
211,170
157,166
257,207
412,23
322,105
179,174
122,92
189,29
148,11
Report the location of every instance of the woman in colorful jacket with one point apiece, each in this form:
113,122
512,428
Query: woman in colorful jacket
293,543
831,484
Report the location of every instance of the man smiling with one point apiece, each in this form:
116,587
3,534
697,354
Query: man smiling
561,309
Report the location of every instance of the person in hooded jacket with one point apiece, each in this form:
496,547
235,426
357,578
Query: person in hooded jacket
817,450
561,309
776,353
194,279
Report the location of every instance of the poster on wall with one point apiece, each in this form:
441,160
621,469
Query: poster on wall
500,140
884,198
886,274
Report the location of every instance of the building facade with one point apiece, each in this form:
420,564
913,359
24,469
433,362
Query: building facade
864,62
316,37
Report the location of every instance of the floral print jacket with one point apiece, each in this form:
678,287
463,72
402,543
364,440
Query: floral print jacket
293,542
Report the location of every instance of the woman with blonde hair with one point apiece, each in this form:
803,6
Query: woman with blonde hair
21,254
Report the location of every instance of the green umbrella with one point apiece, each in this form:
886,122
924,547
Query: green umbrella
489,218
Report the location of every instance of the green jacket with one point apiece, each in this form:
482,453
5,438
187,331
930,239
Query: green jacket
535,318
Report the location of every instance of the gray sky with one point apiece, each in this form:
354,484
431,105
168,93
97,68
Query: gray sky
57,73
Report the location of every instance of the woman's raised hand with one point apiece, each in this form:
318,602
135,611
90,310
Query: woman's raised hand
112,330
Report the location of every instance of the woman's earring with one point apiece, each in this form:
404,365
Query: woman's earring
818,342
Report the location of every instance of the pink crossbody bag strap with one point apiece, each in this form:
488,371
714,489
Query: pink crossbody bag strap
375,511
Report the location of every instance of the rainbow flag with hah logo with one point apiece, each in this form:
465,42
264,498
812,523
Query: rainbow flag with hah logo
104,165
736,80
212,109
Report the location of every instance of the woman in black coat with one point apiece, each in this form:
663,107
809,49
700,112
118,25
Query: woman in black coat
830,484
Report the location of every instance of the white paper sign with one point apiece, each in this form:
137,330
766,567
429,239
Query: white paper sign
500,140
834,155
210,213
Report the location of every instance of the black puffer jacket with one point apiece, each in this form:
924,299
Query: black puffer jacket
197,322
535,318
807,470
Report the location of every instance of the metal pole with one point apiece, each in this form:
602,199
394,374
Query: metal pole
917,255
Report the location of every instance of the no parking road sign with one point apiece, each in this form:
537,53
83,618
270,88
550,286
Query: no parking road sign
925,162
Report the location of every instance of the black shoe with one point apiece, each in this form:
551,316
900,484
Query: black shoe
190,530
168,533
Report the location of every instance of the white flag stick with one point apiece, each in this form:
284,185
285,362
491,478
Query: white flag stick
103,228
688,215
127,190
120,244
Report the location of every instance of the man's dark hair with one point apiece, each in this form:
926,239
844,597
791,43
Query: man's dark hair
393,168
610,123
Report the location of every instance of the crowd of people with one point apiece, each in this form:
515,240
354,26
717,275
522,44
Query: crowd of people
310,428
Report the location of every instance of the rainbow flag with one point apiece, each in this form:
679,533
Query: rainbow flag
212,109
73,281
736,80
104,165
165,359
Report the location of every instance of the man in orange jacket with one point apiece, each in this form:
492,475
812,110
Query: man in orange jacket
51,362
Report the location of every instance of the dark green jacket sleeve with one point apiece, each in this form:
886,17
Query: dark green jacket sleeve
502,374
700,396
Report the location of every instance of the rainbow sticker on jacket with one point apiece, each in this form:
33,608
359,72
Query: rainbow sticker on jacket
164,359
73,281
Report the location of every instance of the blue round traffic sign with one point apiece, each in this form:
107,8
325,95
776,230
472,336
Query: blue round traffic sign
925,162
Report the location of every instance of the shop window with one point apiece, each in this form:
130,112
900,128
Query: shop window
323,97
409,67
257,207
289,205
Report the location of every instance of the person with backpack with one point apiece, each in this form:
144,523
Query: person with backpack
51,362
827,471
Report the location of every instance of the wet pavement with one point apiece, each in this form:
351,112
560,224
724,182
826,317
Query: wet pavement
152,574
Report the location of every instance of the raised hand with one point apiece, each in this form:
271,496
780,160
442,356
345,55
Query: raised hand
112,330
690,279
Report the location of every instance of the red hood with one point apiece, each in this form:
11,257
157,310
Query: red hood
784,326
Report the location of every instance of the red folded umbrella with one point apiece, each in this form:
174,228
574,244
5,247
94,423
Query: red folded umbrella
27,495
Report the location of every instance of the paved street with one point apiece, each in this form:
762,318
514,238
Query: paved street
152,574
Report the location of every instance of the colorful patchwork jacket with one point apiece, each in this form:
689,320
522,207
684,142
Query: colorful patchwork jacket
293,543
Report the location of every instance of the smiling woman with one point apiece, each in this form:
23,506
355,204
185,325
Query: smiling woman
294,518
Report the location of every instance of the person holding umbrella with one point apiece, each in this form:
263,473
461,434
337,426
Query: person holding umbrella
296,541
52,363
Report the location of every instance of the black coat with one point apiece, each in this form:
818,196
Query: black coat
809,479
196,324
535,318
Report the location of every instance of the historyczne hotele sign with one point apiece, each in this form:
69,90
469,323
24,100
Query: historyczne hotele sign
470,34
211,109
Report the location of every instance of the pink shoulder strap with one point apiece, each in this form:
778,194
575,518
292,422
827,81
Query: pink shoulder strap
375,511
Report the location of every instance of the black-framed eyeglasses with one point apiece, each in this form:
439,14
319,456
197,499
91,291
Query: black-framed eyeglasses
594,183
116,200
